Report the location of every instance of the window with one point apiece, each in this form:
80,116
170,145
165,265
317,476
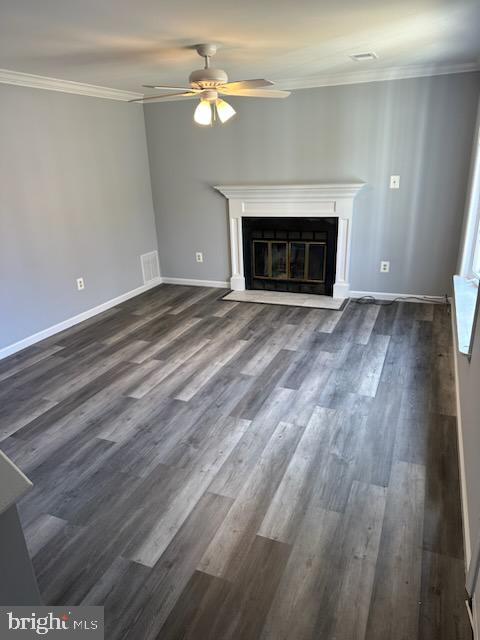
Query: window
470,260
467,299
476,252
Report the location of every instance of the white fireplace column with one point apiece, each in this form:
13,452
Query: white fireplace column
292,201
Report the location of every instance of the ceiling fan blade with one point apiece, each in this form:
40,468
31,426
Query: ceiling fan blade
189,94
247,84
256,93
166,87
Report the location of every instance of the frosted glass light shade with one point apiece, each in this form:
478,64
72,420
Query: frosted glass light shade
203,113
225,111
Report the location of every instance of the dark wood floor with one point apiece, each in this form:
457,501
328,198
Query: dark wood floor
216,470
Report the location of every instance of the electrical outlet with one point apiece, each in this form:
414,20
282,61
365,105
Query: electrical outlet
384,266
80,284
199,256
394,182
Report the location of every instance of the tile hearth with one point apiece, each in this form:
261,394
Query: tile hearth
287,299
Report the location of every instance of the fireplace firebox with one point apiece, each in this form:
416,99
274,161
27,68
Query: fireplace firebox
296,255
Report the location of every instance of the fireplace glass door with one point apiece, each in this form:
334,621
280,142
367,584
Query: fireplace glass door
299,261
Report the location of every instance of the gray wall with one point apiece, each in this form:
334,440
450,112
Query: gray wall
420,128
75,200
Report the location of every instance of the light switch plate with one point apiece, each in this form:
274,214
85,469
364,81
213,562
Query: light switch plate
394,182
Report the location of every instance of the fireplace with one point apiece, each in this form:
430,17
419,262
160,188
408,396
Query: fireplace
296,255
300,201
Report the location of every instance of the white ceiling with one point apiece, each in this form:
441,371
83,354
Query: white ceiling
126,43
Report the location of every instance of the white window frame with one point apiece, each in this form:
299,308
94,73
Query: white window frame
475,266
470,257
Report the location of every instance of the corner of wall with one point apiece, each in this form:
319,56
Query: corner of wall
154,208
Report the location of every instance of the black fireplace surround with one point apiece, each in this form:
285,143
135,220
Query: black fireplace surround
296,255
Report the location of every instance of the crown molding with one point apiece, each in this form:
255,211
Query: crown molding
65,86
376,75
20,79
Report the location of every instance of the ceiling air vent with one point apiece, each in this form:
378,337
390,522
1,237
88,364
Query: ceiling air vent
364,57
150,267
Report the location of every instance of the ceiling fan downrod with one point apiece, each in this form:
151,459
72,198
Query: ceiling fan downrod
206,51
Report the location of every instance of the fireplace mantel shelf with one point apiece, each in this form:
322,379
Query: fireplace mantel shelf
302,192
292,200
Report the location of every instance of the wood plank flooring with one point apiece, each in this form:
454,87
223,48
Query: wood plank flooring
220,470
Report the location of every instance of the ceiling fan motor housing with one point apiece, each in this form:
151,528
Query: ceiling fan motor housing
208,94
205,78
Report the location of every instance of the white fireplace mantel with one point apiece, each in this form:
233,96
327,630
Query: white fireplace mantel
292,200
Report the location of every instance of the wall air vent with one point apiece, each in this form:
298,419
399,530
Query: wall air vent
364,57
150,267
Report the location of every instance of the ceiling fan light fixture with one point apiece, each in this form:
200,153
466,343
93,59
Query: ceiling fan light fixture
203,113
207,84
225,111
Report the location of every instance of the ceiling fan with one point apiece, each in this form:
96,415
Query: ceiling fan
208,83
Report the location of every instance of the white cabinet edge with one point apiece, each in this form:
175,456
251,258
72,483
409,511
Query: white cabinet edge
13,483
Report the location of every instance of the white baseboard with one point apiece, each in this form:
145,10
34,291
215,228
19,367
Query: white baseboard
467,545
69,322
416,297
220,284
475,621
